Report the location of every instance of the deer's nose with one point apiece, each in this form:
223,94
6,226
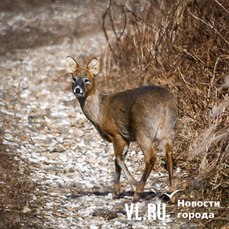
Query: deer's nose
78,91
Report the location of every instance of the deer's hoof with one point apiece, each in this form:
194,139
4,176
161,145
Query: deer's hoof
172,188
115,195
137,197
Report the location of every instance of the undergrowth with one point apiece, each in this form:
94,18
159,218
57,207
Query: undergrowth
183,46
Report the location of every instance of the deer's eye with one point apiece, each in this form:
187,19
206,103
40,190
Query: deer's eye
74,79
87,81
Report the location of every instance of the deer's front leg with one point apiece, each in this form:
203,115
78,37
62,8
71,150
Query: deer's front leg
117,186
120,149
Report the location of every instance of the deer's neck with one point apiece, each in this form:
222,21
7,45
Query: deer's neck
92,106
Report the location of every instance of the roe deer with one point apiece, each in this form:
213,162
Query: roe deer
143,114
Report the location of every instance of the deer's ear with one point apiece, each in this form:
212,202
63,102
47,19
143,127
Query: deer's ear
93,66
71,64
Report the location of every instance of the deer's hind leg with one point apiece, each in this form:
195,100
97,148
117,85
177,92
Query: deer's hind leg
150,158
166,145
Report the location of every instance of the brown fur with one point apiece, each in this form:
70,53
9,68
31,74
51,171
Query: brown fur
143,114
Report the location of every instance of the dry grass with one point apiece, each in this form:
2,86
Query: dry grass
183,46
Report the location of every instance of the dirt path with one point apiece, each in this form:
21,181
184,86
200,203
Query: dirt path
44,127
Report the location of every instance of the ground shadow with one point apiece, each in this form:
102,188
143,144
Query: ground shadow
146,196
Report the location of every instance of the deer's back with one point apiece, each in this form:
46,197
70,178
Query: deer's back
150,110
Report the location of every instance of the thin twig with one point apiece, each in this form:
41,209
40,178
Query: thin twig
222,6
104,27
210,26
190,54
217,60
